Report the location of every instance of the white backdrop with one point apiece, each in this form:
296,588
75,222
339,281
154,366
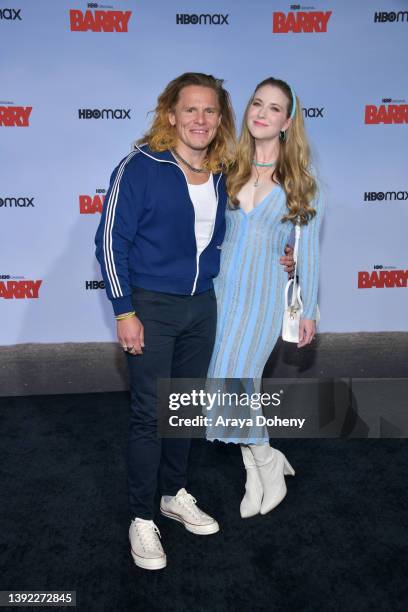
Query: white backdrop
47,165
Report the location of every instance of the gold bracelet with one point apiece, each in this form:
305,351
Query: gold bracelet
128,316
125,315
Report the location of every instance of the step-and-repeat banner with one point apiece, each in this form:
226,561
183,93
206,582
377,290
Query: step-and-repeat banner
77,82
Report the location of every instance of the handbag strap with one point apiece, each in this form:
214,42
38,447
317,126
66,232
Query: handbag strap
295,257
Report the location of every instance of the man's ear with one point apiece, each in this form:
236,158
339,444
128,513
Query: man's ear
172,118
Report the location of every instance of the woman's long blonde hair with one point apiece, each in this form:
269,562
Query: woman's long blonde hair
292,170
162,135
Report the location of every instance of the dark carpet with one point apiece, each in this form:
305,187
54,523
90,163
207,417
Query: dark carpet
337,542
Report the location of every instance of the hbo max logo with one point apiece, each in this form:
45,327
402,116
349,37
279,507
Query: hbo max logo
105,113
204,19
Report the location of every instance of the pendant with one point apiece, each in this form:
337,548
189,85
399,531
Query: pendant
256,183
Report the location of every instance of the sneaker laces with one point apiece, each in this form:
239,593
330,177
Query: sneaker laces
148,533
189,502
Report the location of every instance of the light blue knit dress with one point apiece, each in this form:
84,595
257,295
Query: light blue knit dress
250,296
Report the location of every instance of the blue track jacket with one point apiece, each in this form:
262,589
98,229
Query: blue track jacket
146,235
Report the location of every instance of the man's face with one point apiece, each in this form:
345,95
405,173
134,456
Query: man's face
196,117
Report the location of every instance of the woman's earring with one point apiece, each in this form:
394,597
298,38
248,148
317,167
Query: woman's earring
282,136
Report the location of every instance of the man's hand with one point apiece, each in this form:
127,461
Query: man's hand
287,260
307,332
131,335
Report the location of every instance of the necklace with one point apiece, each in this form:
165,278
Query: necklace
255,164
189,166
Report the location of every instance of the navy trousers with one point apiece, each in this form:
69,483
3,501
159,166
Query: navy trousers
179,333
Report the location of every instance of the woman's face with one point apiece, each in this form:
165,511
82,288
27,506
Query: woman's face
268,113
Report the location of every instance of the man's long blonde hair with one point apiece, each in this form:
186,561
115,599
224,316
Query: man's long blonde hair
162,135
292,170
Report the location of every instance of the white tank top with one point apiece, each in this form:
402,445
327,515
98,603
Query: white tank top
205,208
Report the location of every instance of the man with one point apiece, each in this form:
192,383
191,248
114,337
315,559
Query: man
158,244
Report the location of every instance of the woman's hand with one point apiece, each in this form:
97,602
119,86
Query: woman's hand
287,261
307,332
131,335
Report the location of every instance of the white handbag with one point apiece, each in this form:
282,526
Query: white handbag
293,311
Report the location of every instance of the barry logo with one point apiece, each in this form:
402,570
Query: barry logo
89,205
99,21
20,290
300,21
382,279
15,116
386,113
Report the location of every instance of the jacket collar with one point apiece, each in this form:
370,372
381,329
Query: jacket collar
156,155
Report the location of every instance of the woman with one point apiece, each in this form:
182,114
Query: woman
270,187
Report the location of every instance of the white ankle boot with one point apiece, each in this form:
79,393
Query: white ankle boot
272,468
251,502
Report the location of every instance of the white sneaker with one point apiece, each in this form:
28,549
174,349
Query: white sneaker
183,508
146,549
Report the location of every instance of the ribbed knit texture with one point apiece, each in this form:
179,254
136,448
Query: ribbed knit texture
251,284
